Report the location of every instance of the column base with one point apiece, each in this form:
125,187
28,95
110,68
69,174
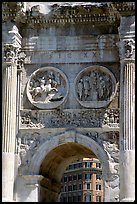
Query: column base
127,200
7,200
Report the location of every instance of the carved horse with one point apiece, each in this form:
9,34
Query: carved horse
43,89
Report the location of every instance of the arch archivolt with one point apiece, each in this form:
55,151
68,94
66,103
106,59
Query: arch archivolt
50,157
100,144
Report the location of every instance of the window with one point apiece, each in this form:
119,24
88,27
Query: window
80,165
70,178
88,176
74,198
98,165
98,198
98,177
79,198
70,199
64,199
74,177
88,185
80,186
69,188
75,166
88,197
65,178
70,167
87,165
79,176
65,188
98,187
74,187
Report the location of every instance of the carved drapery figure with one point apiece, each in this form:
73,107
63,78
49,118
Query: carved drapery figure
96,87
95,84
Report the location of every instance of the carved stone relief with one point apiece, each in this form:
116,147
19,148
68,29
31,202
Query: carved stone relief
129,48
66,118
95,87
126,48
28,144
47,88
10,53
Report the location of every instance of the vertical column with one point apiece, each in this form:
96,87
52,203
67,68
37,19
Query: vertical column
9,82
127,109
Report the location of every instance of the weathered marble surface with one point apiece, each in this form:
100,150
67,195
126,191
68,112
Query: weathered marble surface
75,39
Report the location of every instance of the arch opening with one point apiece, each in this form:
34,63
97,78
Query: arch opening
54,155
54,165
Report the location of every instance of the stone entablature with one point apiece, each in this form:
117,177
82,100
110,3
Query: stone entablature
70,118
105,13
69,43
71,49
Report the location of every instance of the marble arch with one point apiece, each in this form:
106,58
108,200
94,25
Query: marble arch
69,37
69,136
79,146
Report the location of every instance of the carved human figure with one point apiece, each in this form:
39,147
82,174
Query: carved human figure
101,88
116,116
58,79
93,86
80,88
108,89
48,88
111,117
106,118
86,86
53,81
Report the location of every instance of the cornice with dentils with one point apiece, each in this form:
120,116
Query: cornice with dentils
107,14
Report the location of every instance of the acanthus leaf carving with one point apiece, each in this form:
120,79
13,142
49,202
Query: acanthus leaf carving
127,49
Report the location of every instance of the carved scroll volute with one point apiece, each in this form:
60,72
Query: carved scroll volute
95,87
47,88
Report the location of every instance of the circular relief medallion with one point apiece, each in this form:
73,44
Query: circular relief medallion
47,88
95,87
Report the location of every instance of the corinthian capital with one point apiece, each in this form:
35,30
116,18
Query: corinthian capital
127,38
10,53
127,49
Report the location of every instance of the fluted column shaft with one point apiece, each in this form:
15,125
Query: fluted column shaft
8,128
127,110
9,91
9,78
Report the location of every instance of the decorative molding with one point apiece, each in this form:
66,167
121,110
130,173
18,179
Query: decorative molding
106,14
14,11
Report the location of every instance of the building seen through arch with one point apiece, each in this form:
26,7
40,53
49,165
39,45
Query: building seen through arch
82,182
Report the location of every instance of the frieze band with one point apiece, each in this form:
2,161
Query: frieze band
68,118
